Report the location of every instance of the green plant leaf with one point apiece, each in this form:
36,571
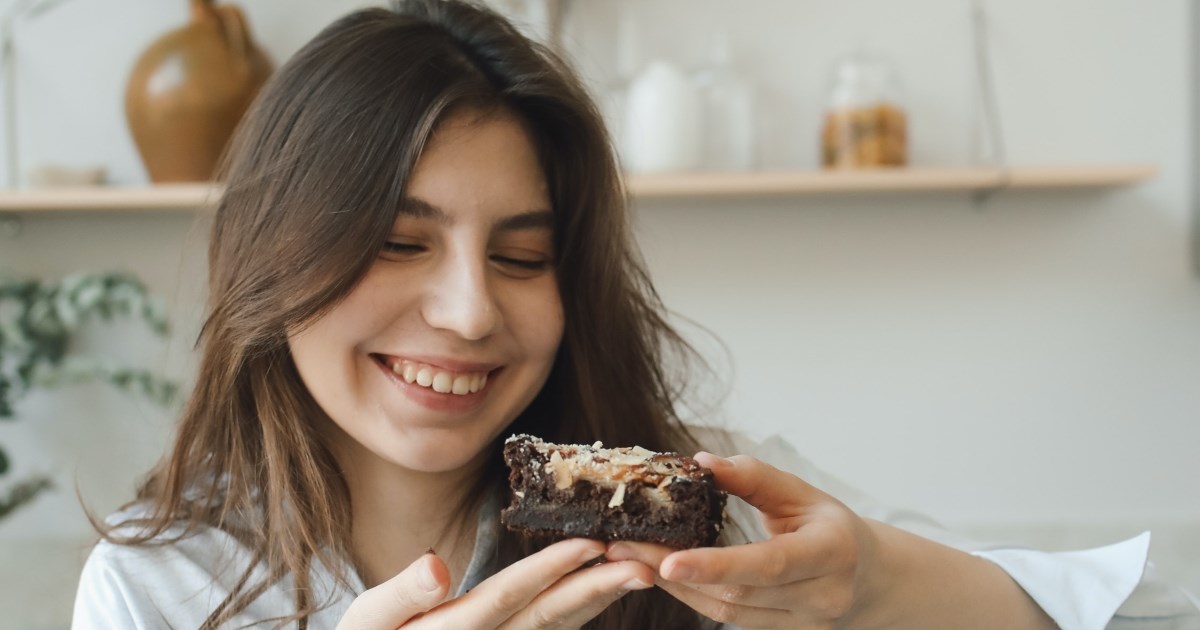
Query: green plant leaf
6,411
37,322
23,492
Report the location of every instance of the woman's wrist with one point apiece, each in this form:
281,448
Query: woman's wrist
879,573
913,582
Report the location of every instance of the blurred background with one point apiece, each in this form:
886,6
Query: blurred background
945,248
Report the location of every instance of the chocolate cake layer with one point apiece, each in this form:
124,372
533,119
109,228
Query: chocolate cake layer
628,493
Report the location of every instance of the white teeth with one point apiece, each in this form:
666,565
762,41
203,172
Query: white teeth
424,377
439,381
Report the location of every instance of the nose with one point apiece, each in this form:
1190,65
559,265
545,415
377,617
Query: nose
460,300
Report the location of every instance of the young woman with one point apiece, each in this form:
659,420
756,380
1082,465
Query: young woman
423,247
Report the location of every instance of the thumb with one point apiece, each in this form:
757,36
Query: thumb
772,491
413,591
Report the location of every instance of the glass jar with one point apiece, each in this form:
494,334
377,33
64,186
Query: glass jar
865,125
728,111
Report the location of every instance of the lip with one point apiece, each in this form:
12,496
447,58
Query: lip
447,364
437,401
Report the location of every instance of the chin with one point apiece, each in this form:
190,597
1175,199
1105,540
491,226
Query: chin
438,454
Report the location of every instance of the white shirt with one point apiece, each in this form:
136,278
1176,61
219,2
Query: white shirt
177,585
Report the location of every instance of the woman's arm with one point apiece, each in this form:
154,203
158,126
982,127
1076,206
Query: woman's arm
823,566
918,583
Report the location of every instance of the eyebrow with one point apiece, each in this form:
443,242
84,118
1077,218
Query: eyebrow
531,220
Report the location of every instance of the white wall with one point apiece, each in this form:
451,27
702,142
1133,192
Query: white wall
921,344
1030,362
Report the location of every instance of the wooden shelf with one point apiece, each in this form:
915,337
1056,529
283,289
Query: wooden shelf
799,183
190,197
163,197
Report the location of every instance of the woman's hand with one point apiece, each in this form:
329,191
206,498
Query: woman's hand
809,574
545,590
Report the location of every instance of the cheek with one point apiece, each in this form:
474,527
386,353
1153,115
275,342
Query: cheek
319,342
549,327
312,357
539,325
373,304
325,351
319,353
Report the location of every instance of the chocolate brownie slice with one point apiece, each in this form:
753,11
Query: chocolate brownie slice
630,493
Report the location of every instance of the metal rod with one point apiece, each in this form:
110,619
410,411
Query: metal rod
8,51
555,16
1194,76
10,104
992,150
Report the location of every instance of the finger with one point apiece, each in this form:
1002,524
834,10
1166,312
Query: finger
781,597
649,554
729,613
818,597
810,552
411,592
580,596
784,596
772,491
499,597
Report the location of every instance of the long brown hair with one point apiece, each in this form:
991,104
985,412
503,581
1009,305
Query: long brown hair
313,179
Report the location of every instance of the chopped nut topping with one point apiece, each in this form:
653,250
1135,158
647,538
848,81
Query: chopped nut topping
618,497
562,471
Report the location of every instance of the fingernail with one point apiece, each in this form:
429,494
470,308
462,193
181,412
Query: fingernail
426,579
635,584
619,551
681,573
591,552
714,461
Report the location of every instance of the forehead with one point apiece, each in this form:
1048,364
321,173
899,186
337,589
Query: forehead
479,161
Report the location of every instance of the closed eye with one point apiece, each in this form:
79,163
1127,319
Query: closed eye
521,268
403,248
522,263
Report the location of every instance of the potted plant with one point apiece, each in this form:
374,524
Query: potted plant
38,321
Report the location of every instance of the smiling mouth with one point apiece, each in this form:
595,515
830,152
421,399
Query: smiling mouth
438,379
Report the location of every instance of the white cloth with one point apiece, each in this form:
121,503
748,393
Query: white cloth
1109,587
179,584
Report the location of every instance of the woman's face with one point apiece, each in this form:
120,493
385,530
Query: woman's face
454,329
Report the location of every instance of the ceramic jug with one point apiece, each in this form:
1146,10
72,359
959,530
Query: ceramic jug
189,89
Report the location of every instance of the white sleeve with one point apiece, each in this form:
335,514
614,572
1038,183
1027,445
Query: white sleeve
1108,587
178,583
1078,589
101,601
148,586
